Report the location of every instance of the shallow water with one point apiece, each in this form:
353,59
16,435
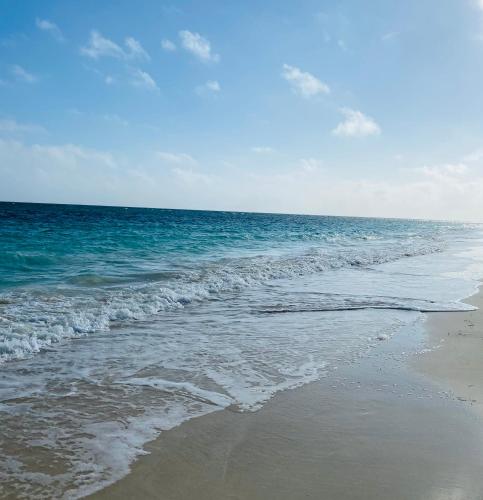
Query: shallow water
118,323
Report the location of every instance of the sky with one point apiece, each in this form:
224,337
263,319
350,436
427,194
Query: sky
349,107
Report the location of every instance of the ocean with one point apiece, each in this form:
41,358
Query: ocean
119,323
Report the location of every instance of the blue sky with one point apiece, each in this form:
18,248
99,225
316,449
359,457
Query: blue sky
334,107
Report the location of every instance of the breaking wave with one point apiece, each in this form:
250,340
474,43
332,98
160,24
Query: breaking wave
34,319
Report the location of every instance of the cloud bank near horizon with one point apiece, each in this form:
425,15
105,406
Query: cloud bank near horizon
72,174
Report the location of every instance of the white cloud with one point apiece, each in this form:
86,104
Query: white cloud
303,83
50,27
310,165
190,177
8,126
263,149
22,74
68,155
318,191
73,174
213,85
98,46
108,117
356,124
448,170
143,80
176,158
63,174
135,49
474,156
198,46
168,45
210,87
479,4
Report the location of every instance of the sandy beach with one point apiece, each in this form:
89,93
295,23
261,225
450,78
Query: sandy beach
404,423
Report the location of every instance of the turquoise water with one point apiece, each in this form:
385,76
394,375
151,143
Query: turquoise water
62,245
73,270
118,323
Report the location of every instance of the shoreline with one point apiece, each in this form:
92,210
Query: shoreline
394,425
455,362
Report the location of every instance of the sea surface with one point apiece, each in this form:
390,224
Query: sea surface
119,323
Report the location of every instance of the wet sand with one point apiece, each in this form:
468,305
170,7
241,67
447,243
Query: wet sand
457,362
392,426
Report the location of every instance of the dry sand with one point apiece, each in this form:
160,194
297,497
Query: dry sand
386,428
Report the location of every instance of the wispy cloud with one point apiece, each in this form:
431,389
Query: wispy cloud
198,45
342,45
474,156
135,49
191,177
51,28
13,40
61,173
108,117
171,10
390,35
303,83
263,149
213,85
22,75
478,4
445,171
168,45
108,79
356,124
115,119
144,80
310,165
99,46
176,158
9,126
210,87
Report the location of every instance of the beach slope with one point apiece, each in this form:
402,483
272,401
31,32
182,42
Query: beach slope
388,427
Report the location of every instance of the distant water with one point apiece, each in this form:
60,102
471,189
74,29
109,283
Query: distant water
117,323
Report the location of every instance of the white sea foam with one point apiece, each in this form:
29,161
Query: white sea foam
32,320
